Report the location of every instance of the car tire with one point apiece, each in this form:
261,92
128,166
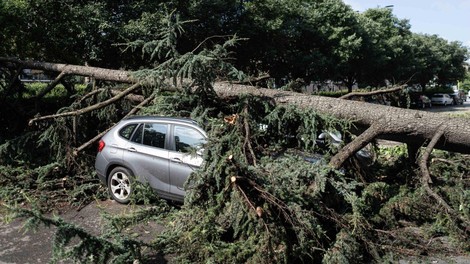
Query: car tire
120,186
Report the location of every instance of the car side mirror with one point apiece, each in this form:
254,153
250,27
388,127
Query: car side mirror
200,151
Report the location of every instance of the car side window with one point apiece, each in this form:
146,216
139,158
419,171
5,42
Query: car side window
137,137
187,138
126,132
155,135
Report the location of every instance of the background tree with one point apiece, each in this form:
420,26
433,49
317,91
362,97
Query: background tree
40,31
434,59
299,39
309,40
386,39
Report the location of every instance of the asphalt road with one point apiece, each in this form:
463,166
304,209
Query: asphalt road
452,109
20,246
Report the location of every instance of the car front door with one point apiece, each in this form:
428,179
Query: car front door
186,157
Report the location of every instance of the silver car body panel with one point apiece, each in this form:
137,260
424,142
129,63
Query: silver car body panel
165,168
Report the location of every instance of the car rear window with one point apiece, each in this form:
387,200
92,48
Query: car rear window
126,132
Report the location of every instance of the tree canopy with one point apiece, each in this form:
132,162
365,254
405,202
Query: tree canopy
309,40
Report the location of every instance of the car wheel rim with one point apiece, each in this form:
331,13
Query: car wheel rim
120,185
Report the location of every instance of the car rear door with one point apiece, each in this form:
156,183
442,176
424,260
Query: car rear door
147,157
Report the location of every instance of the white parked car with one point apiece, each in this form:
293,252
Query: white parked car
442,99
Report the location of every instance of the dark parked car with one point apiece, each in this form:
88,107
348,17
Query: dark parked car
420,101
462,95
457,100
160,151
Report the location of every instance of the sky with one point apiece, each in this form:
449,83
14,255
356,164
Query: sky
449,19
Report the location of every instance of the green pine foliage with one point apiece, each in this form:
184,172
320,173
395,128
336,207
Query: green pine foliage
244,209
265,192
271,206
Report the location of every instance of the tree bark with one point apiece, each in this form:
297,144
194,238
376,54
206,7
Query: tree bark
397,124
50,86
401,125
98,73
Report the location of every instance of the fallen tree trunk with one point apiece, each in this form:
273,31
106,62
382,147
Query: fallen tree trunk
393,123
397,124
67,69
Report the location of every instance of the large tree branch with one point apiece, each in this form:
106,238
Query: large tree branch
89,108
132,112
405,125
354,146
426,178
51,85
377,92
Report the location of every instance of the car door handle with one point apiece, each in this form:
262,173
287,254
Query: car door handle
177,160
131,149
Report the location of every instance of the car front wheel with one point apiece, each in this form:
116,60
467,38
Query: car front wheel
120,185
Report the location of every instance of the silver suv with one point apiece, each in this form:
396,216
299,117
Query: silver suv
160,151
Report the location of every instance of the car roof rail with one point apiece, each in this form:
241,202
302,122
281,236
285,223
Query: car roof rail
162,118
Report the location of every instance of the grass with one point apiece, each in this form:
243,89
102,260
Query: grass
461,115
33,89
